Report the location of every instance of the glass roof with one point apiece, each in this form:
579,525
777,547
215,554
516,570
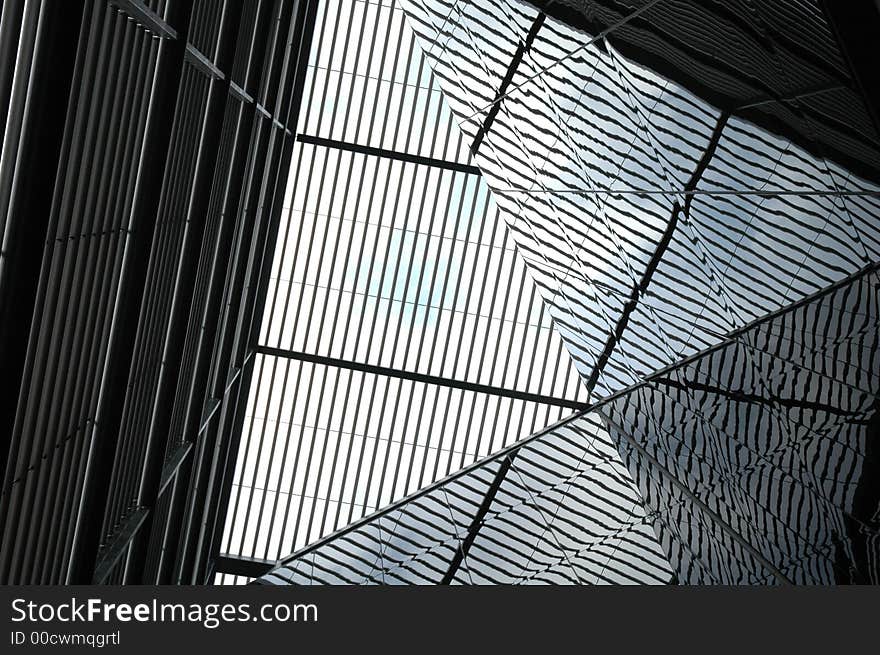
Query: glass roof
403,336
512,212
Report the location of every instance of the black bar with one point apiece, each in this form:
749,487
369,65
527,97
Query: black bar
641,288
202,63
146,18
248,567
113,552
521,49
389,154
421,377
477,523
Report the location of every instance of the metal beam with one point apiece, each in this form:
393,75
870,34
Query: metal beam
202,63
240,93
421,377
172,466
146,18
248,567
389,154
111,554
477,521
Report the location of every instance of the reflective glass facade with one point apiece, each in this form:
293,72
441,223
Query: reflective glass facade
693,188
653,220
755,463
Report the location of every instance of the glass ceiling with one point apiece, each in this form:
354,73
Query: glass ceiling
407,334
403,337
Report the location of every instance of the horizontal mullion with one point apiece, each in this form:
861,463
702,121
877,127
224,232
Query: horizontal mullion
146,18
423,378
389,154
245,98
248,567
202,63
